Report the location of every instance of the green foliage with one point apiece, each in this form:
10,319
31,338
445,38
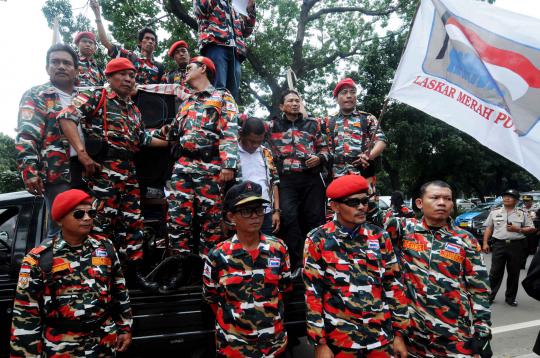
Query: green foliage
10,179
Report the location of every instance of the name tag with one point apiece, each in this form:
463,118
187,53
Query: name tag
452,256
98,261
415,246
60,267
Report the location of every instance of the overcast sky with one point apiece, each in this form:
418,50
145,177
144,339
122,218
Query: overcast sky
27,38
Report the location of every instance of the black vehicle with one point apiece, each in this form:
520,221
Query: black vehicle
174,322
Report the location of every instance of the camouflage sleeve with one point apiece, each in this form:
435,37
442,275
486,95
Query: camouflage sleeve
393,288
274,175
81,106
228,137
285,282
120,299
373,122
119,51
26,327
211,279
477,285
321,145
30,131
313,273
393,226
248,23
202,8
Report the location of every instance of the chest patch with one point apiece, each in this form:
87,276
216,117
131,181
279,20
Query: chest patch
98,261
274,262
452,256
373,244
414,246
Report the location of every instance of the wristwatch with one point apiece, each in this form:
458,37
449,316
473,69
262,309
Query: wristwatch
276,210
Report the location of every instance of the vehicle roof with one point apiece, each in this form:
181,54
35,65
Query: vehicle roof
16,197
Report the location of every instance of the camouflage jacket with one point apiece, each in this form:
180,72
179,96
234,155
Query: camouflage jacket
402,212
215,18
124,128
42,149
88,284
445,279
376,217
205,121
292,143
348,137
148,71
354,294
177,76
248,294
90,74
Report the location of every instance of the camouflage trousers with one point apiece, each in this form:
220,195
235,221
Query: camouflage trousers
380,352
194,198
440,346
119,209
232,346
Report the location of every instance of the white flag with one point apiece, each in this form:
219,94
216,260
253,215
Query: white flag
477,68
57,37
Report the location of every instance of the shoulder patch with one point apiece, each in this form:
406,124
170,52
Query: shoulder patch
38,250
30,260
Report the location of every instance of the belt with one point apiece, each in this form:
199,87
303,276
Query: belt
508,241
76,325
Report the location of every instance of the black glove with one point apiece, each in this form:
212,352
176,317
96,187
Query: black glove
481,346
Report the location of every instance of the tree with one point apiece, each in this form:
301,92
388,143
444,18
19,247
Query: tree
10,179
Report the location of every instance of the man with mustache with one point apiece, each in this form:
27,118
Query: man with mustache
149,71
356,306
90,74
42,150
71,297
445,280
114,132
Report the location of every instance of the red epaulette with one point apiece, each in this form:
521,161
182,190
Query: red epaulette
38,250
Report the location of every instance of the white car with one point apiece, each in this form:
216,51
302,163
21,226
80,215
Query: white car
464,204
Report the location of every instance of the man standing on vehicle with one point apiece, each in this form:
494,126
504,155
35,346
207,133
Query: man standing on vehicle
149,71
300,151
244,281
356,306
508,225
42,149
90,74
222,30
71,297
350,133
114,132
445,279
179,52
206,130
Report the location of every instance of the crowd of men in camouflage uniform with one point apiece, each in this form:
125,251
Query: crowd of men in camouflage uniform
377,284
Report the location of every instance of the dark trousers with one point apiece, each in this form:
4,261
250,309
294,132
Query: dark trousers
227,67
267,224
302,201
510,255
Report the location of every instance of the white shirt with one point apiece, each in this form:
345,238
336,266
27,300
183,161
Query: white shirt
253,168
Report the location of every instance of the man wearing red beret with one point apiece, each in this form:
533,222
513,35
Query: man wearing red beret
206,131
356,306
90,73
349,134
179,52
113,132
67,289
149,71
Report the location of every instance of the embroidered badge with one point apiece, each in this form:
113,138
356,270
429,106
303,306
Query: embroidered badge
23,282
415,246
452,256
452,248
100,252
207,270
60,267
373,244
274,262
98,261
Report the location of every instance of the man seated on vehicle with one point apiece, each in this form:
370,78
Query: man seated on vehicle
356,306
42,150
71,297
149,71
244,279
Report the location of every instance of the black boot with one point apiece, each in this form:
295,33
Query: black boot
171,285
137,271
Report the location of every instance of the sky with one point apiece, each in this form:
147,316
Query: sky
27,38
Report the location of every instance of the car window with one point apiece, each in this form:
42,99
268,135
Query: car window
8,226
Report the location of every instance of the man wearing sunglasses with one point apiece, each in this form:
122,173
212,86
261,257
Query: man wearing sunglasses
445,279
71,297
245,278
356,306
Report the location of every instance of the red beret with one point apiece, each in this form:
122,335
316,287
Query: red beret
176,45
119,64
205,61
66,201
347,185
346,82
86,34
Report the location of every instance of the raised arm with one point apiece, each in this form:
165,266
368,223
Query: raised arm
101,29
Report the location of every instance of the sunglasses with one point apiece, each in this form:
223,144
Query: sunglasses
79,213
249,212
355,202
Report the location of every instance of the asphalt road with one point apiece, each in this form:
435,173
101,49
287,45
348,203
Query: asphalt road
514,328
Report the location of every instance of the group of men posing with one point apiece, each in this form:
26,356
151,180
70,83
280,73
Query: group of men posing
418,287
